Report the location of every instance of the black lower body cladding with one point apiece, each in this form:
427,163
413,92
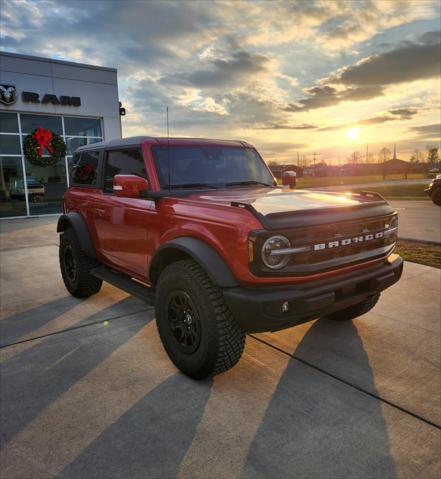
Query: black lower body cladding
279,307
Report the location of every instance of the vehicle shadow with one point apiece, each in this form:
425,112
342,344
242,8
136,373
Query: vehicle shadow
34,378
151,439
317,426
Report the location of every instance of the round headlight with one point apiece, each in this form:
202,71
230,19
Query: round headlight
272,256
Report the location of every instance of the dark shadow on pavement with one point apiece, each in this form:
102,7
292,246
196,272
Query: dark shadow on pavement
317,427
15,327
31,380
150,440
18,325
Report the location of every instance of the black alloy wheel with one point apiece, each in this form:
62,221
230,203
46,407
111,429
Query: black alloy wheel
184,322
70,264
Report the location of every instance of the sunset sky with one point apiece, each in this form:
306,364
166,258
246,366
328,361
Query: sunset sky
324,76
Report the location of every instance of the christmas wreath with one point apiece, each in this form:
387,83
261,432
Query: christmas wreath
40,140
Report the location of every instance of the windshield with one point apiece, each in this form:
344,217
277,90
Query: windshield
212,166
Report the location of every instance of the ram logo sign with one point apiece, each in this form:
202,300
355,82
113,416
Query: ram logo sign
8,94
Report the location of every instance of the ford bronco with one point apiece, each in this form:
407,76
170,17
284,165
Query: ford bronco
200,229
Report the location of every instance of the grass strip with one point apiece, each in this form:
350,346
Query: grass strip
421,253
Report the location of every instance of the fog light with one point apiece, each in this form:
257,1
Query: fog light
285,307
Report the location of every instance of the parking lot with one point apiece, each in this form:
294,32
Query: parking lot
87,390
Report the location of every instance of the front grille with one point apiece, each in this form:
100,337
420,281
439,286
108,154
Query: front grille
320,248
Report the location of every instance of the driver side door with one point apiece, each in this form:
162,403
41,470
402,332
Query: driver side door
121,224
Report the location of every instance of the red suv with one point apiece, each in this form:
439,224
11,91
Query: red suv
200,229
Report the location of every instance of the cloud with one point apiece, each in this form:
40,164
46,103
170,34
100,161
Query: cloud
360,20
391,115
431,131
222,72
284,126
322,97
404,113
397,114
401,65
369,77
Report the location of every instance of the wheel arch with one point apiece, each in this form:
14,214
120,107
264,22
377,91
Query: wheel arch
189,247
78,224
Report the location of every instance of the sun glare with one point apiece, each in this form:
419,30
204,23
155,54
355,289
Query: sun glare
353,133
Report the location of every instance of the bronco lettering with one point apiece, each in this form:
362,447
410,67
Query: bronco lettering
348,241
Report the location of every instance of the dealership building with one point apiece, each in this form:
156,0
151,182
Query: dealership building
75,101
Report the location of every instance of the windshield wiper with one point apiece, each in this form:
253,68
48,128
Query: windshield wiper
189,185
246,183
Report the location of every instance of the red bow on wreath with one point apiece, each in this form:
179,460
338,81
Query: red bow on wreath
44,138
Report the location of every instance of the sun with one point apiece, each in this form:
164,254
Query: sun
353,133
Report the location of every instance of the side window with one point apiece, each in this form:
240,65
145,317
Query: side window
122,162
85,167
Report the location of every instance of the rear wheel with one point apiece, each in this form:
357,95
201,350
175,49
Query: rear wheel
436,196
356,310
198,331
75,267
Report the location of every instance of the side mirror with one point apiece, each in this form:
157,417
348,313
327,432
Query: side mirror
129,186
289,178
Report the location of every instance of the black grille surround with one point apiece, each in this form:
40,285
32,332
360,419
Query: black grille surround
329,246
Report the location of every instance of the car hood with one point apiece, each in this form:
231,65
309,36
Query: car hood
278,207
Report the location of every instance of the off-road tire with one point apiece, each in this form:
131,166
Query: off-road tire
354,311
221,339
81,283
436,196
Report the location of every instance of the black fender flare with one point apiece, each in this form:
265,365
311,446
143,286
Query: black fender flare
77,223
207,257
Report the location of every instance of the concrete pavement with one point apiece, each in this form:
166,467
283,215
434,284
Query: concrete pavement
419,220
87,390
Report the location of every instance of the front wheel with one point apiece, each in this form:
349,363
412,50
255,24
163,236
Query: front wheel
356,310
198,331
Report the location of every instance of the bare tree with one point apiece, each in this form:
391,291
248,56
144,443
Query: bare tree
417,156
355,157
384,155
432,154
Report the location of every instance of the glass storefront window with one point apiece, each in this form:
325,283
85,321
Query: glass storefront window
8,122
12,192
30,122
10,145
74,143
46,186
82,126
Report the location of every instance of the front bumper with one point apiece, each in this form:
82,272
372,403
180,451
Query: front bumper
260,309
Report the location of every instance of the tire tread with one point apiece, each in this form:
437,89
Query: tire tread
231,337
87,284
